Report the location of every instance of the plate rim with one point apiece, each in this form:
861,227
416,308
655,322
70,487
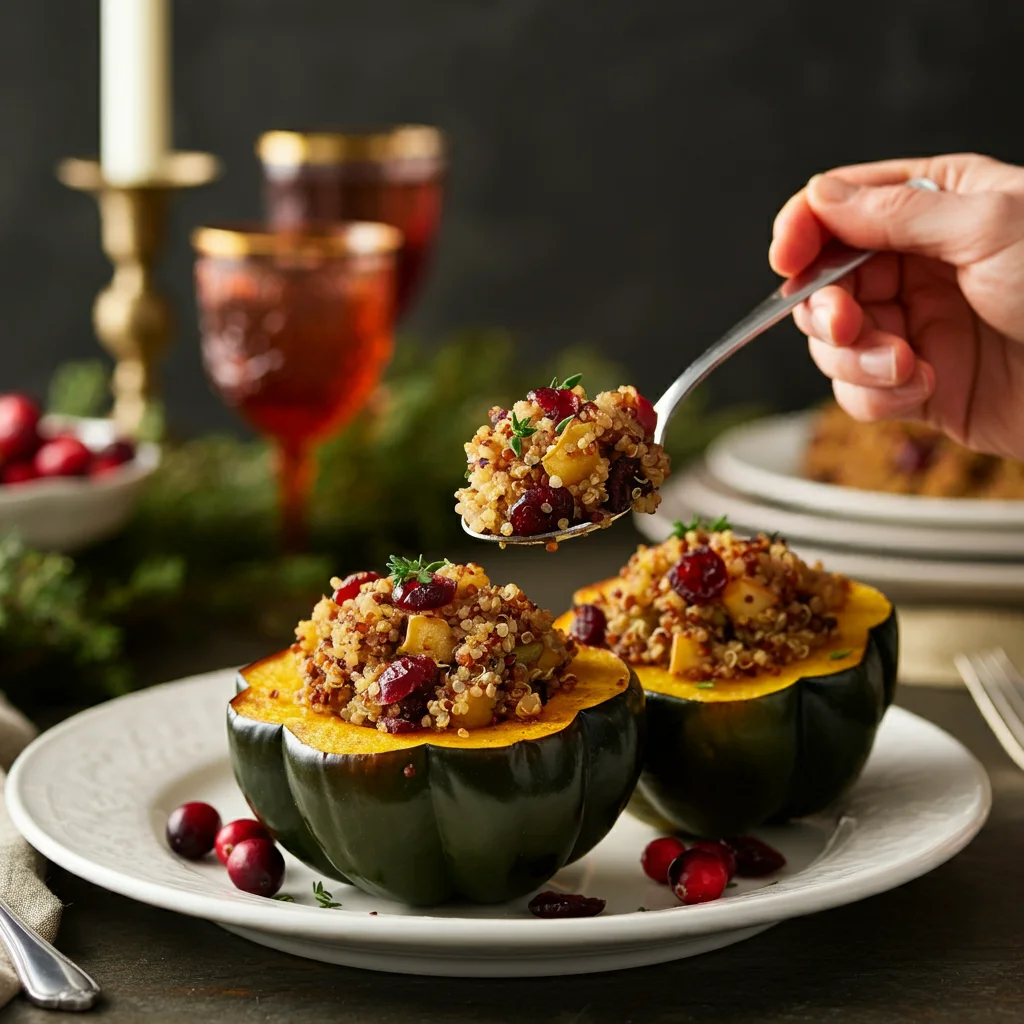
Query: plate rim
404,932
751,479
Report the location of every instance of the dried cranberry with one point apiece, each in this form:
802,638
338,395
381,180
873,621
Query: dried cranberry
496,415
419,597
540,509
658,855
17,473
405,675
557,403
718,849
350,584
754,858
588,625
562,904
914,455
645,415
231,834
698,876
624,477
699,577
63,456
192,829
19,420
256,866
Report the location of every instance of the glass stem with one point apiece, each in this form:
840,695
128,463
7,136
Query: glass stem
295,472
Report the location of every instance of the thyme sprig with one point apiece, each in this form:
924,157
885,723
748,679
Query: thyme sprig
323,897
520,429
681,529
568,384
401,570
561,426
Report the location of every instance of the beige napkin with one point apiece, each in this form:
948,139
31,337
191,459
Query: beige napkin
22,870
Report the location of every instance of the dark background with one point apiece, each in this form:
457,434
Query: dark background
617,165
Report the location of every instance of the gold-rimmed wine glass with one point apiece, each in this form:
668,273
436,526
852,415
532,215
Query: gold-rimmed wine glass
297,328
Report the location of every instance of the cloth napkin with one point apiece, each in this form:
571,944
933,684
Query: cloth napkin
22,870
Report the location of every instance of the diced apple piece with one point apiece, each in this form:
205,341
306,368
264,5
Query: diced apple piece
745,598
567,461
466,576
431,636
686,654
479,714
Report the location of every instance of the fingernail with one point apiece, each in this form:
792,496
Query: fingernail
822,323
829,189
918,388
879,364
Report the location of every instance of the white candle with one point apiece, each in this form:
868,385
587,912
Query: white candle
135,103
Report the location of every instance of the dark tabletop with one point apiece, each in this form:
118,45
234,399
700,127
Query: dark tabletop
947,947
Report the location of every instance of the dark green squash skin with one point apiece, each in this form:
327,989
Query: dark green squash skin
722,768
426,824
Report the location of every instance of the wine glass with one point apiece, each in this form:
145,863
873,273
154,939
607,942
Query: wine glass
393,175
297,328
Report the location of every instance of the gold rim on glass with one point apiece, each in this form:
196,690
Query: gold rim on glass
401,142
354,238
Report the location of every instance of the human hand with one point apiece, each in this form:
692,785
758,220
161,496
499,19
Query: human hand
932,328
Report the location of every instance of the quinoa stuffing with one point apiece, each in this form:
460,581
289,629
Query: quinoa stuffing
708,605
430,646
557,458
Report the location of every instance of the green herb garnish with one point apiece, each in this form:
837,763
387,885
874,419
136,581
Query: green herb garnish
837,655
641,910
323,897
681,529
283,897
731,885
520,429
569,383
404,569
561,426
706,686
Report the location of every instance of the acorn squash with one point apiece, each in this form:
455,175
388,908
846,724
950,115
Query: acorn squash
721,760
426,816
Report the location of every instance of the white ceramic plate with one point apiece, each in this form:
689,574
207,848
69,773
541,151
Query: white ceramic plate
924,580
94,793
763,459
68,513
697,490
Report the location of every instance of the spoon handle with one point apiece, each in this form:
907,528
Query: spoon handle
49,978
835,261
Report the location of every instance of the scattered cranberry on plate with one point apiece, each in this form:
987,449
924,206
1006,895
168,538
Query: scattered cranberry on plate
256,866
231,834
658,855
564,904
192,829
697,876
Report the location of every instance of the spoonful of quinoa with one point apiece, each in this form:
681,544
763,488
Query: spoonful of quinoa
558,465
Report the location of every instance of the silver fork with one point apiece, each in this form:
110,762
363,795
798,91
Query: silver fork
998,689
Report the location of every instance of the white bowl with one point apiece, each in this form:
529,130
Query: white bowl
68,513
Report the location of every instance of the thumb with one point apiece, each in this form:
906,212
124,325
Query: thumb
958,228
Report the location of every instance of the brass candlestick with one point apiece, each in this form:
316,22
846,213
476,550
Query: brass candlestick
132,320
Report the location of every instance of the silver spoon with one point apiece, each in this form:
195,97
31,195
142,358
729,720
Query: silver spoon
836,261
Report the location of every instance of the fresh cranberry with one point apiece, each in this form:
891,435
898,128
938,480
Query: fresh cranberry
699,577
496,415
563,904
19,422
698,876
115,455
420,597
540,509
350,584
914,455
233,833
645,415
256,866
624,476
192,829
63,456
719,849
588,625
405,675
754,858
17,473
658,855
557,403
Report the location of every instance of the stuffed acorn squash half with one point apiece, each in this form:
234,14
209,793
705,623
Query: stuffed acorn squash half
431,736
766,679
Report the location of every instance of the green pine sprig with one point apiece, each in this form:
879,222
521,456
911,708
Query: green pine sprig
323,897
402,570
520,429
